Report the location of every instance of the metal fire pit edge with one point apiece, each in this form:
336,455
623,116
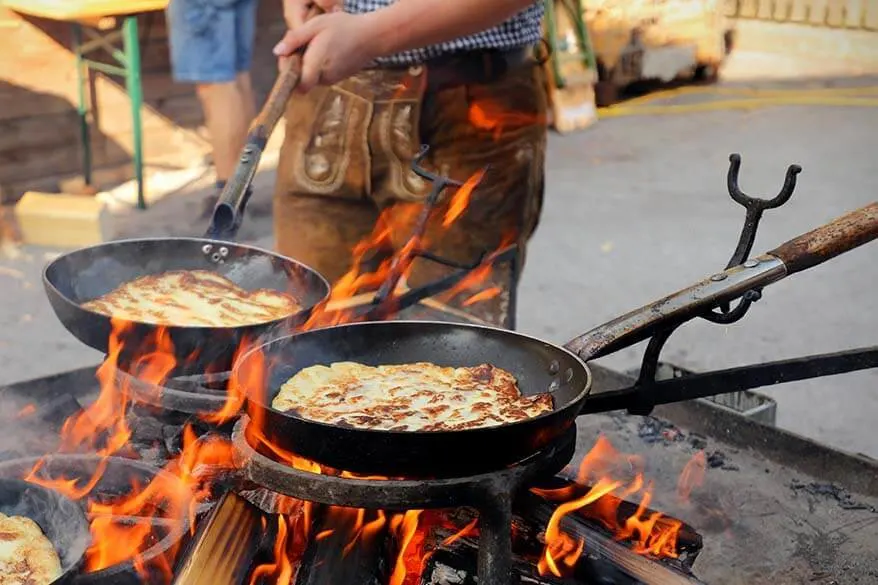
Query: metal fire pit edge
855,472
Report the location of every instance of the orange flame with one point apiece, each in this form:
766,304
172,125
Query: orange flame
460,201
614,477
490,116
249,377
692,476
405,526
122,529
282,567
26,411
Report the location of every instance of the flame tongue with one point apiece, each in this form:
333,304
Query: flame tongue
614,478
123,527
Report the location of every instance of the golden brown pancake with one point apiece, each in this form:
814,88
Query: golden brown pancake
198,298
27,557
409,397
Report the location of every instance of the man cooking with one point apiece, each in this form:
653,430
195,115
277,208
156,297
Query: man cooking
379,79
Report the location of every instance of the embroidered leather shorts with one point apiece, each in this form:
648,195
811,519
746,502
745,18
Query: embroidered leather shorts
347,158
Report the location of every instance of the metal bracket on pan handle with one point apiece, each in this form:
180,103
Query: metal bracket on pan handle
440,285
229,211
228,214
755,208
401,262
725,314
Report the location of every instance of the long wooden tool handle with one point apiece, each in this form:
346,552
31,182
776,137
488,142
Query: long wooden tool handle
229,210
287,79
828,241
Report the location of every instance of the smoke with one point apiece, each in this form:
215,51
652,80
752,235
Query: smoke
32,413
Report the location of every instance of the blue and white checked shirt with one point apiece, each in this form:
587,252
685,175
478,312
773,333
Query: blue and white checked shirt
523,29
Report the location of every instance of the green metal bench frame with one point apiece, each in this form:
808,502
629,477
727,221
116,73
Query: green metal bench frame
124,63
575,11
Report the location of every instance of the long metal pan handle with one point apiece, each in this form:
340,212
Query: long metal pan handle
229,211
808,250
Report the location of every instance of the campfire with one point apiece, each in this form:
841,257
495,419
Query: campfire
606,496
184,480
126,527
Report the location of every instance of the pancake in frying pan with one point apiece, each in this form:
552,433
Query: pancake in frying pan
409,397
192,298
27,557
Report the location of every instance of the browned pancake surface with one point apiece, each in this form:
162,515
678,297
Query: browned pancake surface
409,397
197,298
27,557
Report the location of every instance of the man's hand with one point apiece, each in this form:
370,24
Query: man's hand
338,46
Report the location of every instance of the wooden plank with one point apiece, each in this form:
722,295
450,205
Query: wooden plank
855,13
176,113
18,166
45,131
748,9
18,102
731,7
782,10
62,129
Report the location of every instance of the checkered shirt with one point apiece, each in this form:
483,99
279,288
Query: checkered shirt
522,30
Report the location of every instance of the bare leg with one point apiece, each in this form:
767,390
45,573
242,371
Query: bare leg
245,86
228,115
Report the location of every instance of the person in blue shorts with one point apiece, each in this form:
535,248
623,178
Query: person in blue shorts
211,45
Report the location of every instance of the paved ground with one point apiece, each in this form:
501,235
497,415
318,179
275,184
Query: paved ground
636,208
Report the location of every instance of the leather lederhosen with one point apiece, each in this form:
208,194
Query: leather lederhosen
348,150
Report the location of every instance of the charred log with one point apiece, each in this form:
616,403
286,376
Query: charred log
457,565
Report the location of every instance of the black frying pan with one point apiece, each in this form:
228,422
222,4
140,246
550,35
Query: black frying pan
539,367
61,520
85,274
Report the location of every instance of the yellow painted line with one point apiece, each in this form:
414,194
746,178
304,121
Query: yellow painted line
745,104
753,92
